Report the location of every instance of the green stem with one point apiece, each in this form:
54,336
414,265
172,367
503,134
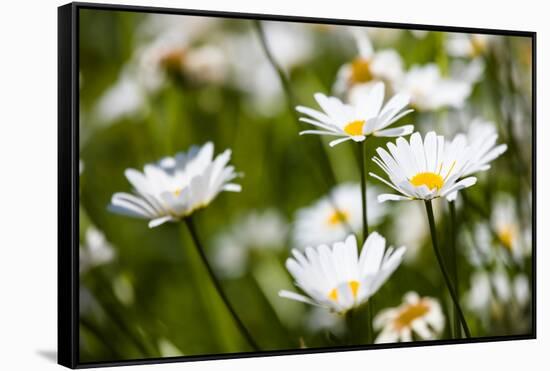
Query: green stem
431,221
328,178
352,325
370,330
454,266
362,170
289,94
361,146
217,284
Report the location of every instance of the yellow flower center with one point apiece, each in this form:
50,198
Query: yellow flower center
355,127
173,59
177,192
430,180
408,314
360,71
506,235
337,217
354,287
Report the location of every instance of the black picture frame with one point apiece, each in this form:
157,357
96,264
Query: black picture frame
68,180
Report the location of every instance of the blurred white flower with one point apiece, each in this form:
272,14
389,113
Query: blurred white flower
169,47
206,64
429,91
368,66
123,289
423,170
409,227
467,45
479,251
258,229
365,115
492,292
334,216
95,251
166,46
501,242
125,98
470,50
290,44
482,138
419,34
230,257
470,71
481,143
421,316
505,222
264,229
87,303
319,319
176,186
337,278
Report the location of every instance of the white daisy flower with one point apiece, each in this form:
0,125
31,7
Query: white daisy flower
337,278
95,251
430,91
365,115
421,316
176,186
423,170
334,216
368,66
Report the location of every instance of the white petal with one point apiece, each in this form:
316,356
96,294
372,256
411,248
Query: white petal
158,221
338,141
372,254
294,296
464,183
232,187
321,132
391,197
395,132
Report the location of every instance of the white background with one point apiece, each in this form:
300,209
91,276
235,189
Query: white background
28,183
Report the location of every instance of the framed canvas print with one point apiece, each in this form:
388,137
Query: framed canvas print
237,185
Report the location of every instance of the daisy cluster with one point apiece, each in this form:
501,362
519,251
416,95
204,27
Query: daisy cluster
320,253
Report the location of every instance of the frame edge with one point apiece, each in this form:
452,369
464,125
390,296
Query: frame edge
67,294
